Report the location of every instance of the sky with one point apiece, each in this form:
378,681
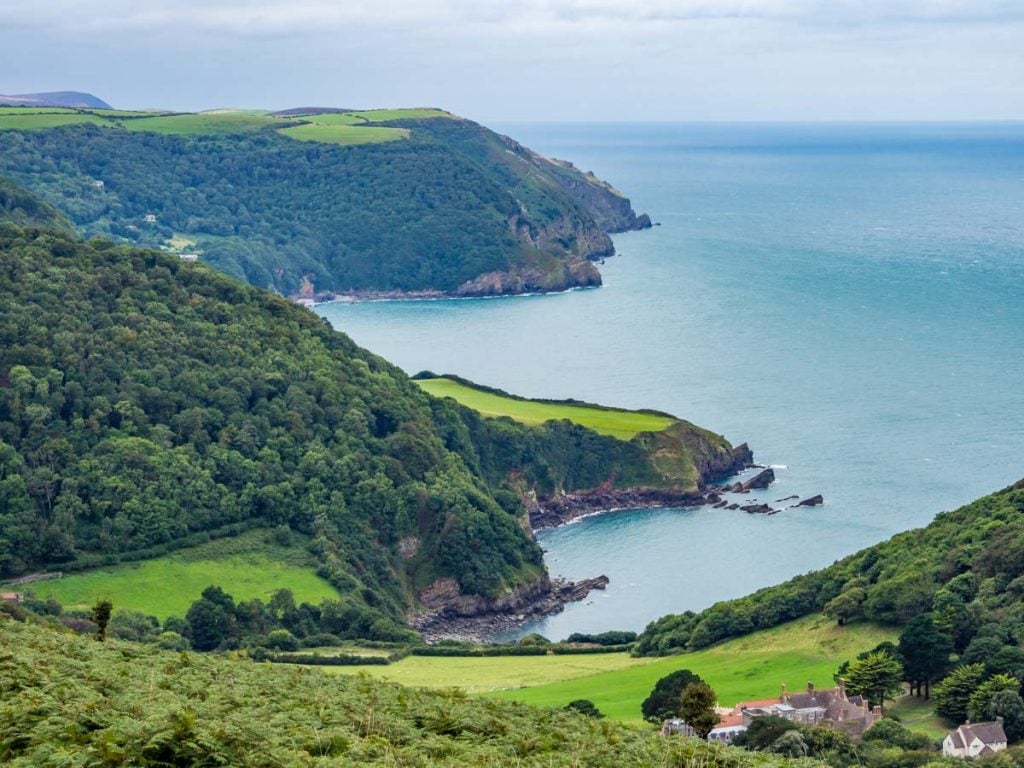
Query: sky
532,60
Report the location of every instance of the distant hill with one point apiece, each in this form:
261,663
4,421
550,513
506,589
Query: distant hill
324,202
75,99
19,206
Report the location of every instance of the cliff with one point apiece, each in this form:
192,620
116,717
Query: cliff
393,202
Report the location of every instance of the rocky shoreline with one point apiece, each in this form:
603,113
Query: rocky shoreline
451,615
478,620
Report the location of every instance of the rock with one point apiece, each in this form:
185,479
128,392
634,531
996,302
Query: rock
813,501
788,498
564,508
721,504
469,617
758,509
733,506
761,480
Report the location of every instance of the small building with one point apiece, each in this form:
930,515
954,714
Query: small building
975,740
10,597
189,256
729,726
150,218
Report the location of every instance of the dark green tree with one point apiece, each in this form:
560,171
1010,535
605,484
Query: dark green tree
925,651
763,732
697,708
980,701
847,605
1008,705
664,701
878,676
208,625
953,692
101,617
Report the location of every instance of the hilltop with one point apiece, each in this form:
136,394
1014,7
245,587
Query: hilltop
54,99
319,202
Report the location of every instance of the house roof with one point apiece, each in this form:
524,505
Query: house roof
8,595
987,733
955,740
730,721
756,703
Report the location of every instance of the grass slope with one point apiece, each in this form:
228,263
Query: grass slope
750,667
606,421
344,134
247,566
68,700
747,668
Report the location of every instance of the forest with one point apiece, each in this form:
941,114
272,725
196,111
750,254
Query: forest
451,203
148,404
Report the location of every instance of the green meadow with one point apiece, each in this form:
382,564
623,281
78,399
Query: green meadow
36,121
216,123
344,134
386,115
607,421
247,566
752,667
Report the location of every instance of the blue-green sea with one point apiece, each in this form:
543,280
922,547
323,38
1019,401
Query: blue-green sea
849,299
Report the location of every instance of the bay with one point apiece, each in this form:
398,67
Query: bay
849,299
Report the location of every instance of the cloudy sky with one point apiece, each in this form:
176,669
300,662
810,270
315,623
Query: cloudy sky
532,59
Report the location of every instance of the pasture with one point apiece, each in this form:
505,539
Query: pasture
247,566
750,667
607,421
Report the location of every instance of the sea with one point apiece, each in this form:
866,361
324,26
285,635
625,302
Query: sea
846,298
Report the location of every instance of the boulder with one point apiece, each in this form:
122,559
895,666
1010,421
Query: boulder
813,501
761,480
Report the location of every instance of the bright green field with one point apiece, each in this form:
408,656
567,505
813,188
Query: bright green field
10,120
384,115
344,134
751,667
607,421
202,124
747,668
246,566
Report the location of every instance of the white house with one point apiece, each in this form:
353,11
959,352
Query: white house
975,740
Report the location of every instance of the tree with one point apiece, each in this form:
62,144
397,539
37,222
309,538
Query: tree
763,732
878,677
892,733
925,651
663,702
954,691
791,744
979,701
697,708
585,707
208,625
1010,706
101,617
846,605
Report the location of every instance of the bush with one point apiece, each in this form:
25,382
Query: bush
281,640
585,707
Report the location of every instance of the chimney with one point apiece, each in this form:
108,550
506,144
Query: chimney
877,710
810,687
841,686
999,720
782,696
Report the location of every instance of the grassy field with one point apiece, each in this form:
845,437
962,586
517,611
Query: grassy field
385,115
494,673
217,123
747,668
620,424
344,134
919,715
36,121
246,566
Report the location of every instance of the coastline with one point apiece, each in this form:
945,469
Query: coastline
368,296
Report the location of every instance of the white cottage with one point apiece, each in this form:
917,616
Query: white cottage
975,740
